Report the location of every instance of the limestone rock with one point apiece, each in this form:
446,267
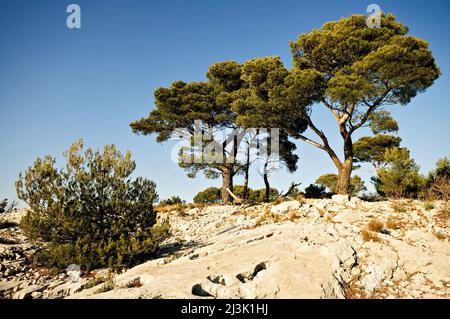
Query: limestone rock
26,292
340,198
285,207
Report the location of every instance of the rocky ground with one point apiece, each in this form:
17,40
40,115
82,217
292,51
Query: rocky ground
328,248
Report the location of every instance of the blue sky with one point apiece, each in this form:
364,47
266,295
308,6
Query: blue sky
58,85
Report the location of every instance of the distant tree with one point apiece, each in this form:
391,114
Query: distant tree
3,205
181,105
438,180
372,149
316,191
211,195
91,212
255,107
442,169
400,177
353,71
330,182
260,195
172,201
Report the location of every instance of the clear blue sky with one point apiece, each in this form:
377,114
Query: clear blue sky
57,84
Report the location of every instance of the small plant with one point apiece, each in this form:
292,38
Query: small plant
293,216
428,206
398,207
375,226
392,223
439,236
300,198
135,283
174,200
278,201
5,207
267,216
108,285
369,236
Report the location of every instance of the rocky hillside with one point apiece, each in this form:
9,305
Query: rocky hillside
295,249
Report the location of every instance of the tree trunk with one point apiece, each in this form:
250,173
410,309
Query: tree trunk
246,174
227,182
266,183
345,172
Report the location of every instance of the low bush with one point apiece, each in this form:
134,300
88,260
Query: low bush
174,200
91,212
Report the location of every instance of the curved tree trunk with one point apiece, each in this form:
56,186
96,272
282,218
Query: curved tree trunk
344,174
345,170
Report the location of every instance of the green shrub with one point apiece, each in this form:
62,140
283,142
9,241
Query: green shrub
316,191
91,212
401,177
3,205
174,200
211,195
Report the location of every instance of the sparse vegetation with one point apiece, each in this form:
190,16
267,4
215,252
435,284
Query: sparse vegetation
3,205
368,236
108,285
375,226
428,206
174,200
393,224
399,206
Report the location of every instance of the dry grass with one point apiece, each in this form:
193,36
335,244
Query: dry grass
178,207
278,201
368,236
135,283
294,215
266,217
440,236
393,223
399,206
375,226
300,198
